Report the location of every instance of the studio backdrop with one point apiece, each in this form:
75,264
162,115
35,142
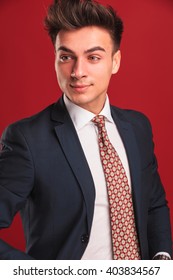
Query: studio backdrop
144,82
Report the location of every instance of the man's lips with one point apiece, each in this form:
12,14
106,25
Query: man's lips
80,87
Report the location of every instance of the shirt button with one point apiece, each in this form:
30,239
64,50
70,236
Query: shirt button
84,238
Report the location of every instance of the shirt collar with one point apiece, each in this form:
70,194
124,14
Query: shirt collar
82,117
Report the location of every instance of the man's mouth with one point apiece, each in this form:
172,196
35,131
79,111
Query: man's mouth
80,87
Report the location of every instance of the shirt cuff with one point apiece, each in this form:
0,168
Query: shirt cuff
165,255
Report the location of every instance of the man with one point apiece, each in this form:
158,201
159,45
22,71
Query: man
82,172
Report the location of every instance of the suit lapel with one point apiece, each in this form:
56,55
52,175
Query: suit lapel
72,149
131,146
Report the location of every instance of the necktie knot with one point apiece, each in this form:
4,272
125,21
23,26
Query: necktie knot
99,120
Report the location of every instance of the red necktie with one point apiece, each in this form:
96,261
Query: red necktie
124,236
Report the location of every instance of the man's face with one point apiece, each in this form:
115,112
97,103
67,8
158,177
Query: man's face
87,52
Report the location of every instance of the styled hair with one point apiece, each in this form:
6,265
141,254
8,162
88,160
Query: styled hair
75,14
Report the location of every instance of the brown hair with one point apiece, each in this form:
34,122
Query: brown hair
71,15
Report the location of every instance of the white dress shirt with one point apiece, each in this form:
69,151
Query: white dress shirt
99,246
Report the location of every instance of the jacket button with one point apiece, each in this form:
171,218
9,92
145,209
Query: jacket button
84,238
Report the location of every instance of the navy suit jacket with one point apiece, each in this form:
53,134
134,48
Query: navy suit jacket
44,175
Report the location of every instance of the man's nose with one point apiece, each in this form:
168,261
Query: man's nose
79,69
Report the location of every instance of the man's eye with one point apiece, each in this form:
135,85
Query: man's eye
94,58
65,58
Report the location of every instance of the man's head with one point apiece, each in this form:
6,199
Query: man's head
86,37
73,15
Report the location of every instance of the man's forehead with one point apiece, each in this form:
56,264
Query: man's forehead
85,38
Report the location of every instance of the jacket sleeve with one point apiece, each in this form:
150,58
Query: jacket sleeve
159,228
16,183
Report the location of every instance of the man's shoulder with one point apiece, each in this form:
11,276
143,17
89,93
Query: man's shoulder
137,120
40,120
129,115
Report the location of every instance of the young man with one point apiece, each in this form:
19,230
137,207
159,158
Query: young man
82,172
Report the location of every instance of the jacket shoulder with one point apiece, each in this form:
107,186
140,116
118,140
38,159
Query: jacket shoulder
39,118
131,116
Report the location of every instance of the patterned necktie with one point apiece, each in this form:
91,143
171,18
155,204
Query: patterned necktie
124,236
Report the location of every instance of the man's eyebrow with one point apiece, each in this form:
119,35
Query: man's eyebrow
97,48
65,49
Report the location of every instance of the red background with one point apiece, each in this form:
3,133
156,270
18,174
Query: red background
144,82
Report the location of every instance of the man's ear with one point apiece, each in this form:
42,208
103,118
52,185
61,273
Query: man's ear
116,62
55,62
